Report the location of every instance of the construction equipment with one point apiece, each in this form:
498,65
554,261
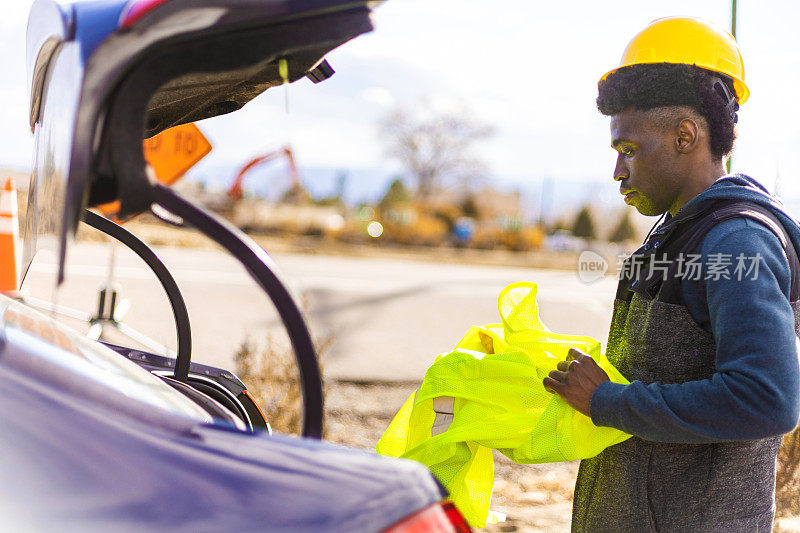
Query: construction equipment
293,213
235,192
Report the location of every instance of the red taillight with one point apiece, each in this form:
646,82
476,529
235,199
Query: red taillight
438,518
459,524
135,10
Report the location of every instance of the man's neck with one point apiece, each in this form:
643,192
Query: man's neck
700,181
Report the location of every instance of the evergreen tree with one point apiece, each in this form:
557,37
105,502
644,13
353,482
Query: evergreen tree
396,193
584,225
624,229
469,208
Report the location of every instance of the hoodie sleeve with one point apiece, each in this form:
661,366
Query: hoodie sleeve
755,391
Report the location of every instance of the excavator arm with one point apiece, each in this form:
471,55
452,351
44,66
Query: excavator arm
235,191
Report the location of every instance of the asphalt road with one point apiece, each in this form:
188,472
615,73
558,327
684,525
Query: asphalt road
381,319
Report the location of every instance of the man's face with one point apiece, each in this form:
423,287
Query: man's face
646,162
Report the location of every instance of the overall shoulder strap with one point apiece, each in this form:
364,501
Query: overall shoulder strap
693,238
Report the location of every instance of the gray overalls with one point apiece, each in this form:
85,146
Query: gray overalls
641,485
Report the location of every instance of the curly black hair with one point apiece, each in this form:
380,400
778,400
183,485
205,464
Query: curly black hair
649,86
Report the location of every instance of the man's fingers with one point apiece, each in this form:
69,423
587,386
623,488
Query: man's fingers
566,366
575,354
551,385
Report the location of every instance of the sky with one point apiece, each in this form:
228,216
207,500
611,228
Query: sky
529,69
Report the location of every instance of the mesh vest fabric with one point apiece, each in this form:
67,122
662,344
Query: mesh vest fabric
494,376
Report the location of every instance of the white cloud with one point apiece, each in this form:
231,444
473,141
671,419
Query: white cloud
379,96
528,67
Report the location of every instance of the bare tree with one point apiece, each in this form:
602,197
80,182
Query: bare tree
434,146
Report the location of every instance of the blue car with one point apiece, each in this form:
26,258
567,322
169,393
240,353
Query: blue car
99,437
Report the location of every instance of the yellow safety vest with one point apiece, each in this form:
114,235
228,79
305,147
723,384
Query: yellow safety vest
488,394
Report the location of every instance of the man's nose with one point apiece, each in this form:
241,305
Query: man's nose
620,170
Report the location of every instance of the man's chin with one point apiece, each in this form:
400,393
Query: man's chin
645,208
649,211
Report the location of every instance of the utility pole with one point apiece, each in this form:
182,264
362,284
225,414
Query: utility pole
733,32
545,200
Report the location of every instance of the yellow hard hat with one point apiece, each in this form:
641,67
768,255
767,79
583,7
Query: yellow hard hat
688,41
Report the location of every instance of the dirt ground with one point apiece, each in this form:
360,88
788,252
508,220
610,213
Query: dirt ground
535,498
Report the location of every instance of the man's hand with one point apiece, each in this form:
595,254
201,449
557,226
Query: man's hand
576,379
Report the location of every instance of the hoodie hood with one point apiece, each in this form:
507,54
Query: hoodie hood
743,188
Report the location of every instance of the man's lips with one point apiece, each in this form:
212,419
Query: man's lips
629,194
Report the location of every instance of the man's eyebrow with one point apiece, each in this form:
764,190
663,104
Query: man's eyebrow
620,140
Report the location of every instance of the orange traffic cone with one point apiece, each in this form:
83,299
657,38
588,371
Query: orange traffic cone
9,233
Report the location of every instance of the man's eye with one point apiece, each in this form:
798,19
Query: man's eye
626,151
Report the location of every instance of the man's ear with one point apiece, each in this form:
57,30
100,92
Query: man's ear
686,137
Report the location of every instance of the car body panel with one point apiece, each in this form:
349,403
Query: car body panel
49,24
42,228
92,442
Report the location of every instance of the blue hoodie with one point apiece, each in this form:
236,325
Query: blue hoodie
755,391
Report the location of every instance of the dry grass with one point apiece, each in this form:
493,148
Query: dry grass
270,373
787,492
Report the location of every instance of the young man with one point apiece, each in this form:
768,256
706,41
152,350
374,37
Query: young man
706,315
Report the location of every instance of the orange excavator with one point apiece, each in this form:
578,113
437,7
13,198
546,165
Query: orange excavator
294,212
296,193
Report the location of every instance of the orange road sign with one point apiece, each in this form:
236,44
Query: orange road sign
173,152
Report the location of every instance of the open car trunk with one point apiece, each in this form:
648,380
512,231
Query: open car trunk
161,65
